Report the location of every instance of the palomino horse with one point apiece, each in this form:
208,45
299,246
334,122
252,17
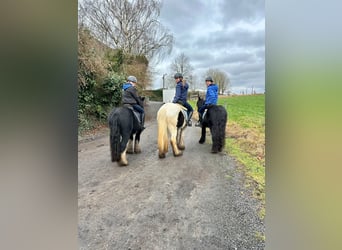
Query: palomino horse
171,119
123,126
215,119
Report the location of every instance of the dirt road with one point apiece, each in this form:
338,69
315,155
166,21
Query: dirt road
196,201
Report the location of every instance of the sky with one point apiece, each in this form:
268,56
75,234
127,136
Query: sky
228,35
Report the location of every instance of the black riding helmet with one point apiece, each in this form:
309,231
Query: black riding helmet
178,75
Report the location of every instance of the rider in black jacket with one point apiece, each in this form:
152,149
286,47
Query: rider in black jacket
130,96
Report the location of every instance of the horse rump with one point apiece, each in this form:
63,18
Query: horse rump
171,123
217,118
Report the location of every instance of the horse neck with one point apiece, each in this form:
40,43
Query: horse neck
200,104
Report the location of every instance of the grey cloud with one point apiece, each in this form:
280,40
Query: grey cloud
235,57
240,68
180,14
242,9
207,33
260,53
226,39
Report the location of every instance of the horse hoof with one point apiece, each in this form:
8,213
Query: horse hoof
214,151
122,164
162,155
137,150
179,154
180,147
129,151
201,141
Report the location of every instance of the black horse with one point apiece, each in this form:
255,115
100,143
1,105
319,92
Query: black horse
123,125
215,119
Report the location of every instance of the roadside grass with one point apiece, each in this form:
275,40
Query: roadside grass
245,132
246,137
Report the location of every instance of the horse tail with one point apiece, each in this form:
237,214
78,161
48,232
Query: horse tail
162,133
114,125
222,124
218,128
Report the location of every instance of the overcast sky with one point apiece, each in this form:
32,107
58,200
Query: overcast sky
225,34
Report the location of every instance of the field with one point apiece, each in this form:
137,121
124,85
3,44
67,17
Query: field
245,133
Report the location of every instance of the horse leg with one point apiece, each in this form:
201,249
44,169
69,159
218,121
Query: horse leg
202,139
180,140
173,140
130,146
222,143
216,140
123,159
222,139
137,148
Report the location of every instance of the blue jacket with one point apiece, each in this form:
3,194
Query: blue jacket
127,85
181,92
212,94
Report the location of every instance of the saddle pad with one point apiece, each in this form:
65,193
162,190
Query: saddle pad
204,113
135,113
185,114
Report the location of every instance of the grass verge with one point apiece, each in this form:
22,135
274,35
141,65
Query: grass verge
245,140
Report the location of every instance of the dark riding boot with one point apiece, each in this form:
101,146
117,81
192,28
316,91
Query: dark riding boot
189,119
142,117
199,123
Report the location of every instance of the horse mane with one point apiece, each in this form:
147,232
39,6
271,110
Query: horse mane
200,100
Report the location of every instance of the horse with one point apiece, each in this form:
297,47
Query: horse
215,119
171,118
123,125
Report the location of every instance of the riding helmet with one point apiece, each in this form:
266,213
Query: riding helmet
209,79
132,79
178,75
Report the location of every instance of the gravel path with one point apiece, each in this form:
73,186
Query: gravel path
196,201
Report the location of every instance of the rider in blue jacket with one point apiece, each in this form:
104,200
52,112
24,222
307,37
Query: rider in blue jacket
181,96
210,98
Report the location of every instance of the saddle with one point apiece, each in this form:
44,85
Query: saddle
185,114
135,113
204,113
206,110
184,111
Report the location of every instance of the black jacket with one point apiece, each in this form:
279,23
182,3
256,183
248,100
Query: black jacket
130,95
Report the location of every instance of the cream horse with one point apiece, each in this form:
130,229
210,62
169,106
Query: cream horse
171,119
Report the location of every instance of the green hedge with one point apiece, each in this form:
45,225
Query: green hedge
154,95
97,98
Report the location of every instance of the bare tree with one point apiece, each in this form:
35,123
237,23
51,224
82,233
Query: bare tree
220,78
90,61
181,64
132,26
170,81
